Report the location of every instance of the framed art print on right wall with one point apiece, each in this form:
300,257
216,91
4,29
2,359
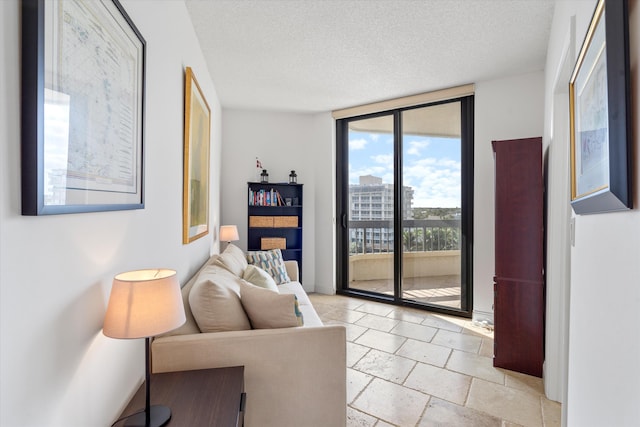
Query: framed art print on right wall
600,114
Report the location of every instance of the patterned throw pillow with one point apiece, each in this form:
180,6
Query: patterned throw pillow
299,315
271,262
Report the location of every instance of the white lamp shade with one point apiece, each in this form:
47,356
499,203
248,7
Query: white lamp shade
229,233
144,303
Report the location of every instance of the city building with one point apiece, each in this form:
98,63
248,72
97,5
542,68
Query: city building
372,201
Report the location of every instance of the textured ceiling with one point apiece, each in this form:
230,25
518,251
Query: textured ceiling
321,55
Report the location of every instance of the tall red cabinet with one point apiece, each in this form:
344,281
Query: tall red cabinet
519,296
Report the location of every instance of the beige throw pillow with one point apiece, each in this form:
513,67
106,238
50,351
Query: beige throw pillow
216,307
267,309
233,259
257,276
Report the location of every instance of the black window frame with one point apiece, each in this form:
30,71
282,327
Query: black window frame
467,206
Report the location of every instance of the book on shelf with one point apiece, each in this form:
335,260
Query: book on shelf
265,198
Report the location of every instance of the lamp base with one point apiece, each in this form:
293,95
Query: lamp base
160,415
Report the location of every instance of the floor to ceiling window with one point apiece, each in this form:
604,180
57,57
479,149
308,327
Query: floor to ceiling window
405,198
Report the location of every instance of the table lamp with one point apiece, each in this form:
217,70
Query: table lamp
143,304
229,233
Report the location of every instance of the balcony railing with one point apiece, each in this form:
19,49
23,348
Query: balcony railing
418,235
431,259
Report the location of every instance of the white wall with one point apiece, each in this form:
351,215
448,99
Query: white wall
507,108
324,166
604,322
283,142
55,271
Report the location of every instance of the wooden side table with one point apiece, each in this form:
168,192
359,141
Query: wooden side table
206,397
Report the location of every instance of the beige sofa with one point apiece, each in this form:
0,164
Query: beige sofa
293,376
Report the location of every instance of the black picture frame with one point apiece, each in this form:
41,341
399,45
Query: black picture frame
82,110
600,120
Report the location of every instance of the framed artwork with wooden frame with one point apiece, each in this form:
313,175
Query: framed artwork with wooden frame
197,131
82,109
600,120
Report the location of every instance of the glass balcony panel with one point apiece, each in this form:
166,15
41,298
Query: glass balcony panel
432,159
371,149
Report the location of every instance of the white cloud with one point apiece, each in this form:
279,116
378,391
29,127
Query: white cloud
436,182
357,144
448,163
415,147
384,159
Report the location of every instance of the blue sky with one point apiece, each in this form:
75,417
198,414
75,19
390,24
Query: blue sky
432,166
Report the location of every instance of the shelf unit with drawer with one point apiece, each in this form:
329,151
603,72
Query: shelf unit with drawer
274,219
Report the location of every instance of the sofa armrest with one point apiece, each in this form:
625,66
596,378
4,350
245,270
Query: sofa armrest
292,376
292,270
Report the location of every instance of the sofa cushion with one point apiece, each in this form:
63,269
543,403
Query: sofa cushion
272,262
311,317
257,276
297,289
215,302
268,309
190,326
232,259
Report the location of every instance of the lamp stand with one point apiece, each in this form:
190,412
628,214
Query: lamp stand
152,416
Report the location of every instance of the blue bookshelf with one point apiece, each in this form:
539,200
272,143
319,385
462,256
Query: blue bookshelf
274,212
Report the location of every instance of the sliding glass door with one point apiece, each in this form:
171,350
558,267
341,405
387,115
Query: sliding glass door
405,205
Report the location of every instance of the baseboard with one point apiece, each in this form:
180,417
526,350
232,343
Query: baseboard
482,318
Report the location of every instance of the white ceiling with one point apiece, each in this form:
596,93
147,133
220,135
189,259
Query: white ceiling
322,55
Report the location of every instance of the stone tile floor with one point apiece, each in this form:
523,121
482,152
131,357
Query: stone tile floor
408,367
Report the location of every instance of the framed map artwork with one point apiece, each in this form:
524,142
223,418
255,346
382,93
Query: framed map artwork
83,79
197,131
600,121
